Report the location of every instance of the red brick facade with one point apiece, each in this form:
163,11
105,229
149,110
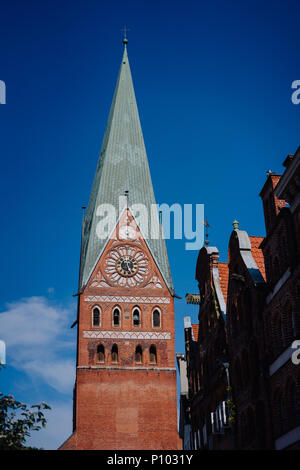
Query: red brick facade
125,392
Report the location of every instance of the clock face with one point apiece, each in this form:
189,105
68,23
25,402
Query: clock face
127,266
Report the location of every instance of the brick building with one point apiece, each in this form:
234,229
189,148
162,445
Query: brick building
281,248
246,342
125,390
258,334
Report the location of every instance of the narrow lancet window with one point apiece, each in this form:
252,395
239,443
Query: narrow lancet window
100,353
136,317
153,355
138,355
156,318
96,316
114,353
116,317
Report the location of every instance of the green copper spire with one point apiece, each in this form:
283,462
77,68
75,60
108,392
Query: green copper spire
122,166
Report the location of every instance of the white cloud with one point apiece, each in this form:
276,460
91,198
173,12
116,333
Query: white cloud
39,340
58,428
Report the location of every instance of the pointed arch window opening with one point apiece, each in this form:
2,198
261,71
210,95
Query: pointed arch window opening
96,316
100,353
156,318
153,354
136,317
138,355
114,353
116,317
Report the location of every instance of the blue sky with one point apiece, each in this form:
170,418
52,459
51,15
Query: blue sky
213,86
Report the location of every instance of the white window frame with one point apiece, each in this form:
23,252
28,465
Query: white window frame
120,316
100,315
140,317
160,318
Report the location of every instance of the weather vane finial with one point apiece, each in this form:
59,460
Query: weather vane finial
206,225
125,30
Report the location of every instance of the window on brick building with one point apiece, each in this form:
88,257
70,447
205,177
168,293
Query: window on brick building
138,355
156,318
100,353
136,317
96,316
153,354
282,413
114,353
116,316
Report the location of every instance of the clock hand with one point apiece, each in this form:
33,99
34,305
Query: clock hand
126,264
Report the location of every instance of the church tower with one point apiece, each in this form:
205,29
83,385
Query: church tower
125,391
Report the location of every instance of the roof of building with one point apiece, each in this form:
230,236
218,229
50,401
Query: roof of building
122,166
195,329
224,273
258,254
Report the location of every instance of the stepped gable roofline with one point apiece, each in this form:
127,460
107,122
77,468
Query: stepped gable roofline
272,178
258,254
245,249
224,276
219,274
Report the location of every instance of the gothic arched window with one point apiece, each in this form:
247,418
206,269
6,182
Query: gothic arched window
153,355
114,353
156,318
136,317
100,353
116,316
96,316
138,354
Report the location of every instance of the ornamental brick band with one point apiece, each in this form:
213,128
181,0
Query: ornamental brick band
128,299
127,334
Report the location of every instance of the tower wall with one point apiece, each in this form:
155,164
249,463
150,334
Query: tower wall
125,409
125,403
